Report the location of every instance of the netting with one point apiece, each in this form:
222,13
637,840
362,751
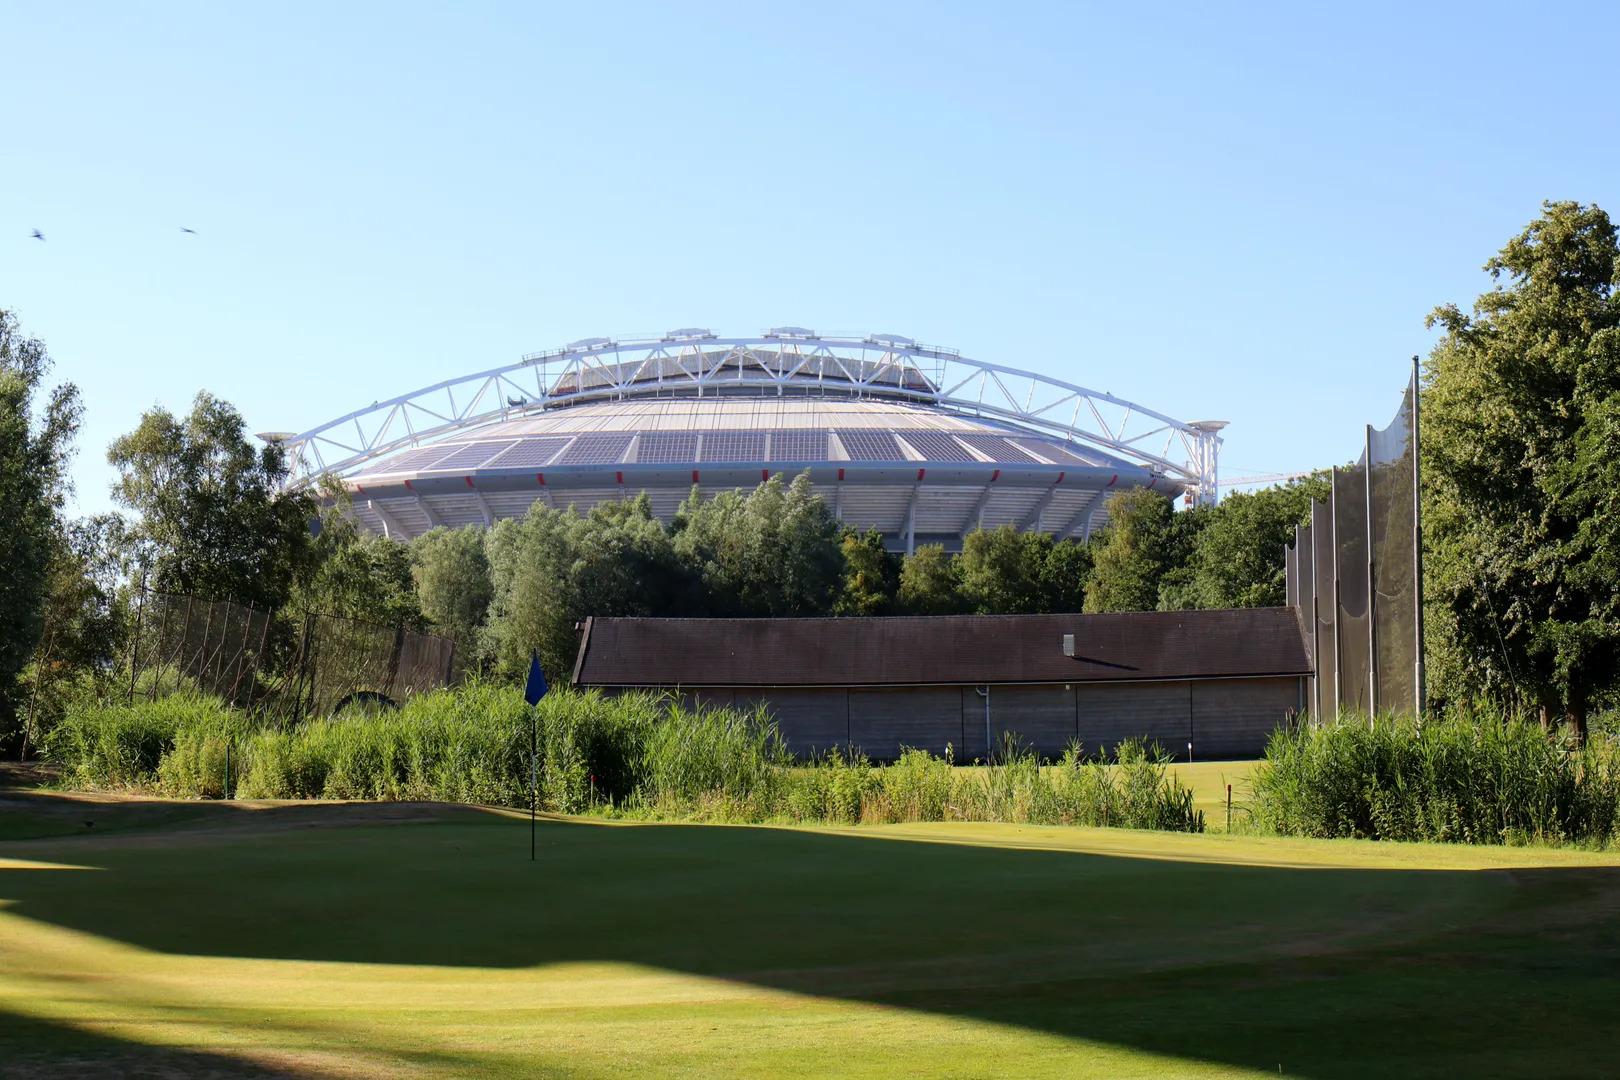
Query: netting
1327,686
1352,591
297,665
1392,531
1355,573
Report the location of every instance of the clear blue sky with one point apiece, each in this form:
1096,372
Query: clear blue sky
1243,215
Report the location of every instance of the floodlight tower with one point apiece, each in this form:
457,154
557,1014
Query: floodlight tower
1206,459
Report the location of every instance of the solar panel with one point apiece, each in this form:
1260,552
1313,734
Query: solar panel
667,447
1051,451
865,444
798,444
733,446
530,453
470,456
411,460
597,449
937,446
998,448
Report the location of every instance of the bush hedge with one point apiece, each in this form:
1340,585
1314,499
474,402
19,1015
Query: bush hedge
1466,777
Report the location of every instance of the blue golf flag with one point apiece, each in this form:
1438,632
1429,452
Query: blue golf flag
536,687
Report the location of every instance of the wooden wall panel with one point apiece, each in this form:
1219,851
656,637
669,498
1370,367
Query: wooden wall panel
811,721
1232,718
881,722
1158,712
1043,717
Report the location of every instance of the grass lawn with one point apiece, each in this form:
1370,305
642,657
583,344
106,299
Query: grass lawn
1208,780
319,940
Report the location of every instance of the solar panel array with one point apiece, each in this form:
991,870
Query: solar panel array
998,448
470,456
865,444
798,444
667,447
411,460
937,446
733,446
603,448
530,453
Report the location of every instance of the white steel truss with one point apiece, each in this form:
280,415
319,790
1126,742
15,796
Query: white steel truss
787,360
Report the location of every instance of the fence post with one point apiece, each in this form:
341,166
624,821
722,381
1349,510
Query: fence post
241,652
394,659
135,638
258,654
162,660
304,662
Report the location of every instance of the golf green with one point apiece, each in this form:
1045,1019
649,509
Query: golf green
337,939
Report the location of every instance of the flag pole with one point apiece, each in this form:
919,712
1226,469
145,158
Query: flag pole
534,774
533,691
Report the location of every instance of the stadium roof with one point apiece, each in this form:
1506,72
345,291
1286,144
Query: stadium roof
912,440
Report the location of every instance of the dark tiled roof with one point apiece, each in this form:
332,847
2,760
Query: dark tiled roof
964,649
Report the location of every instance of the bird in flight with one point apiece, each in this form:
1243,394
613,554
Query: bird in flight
38,235
193,232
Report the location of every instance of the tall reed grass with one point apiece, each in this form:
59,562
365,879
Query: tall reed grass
642,755
1466,777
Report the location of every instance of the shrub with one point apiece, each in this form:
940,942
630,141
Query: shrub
124,746
1466,777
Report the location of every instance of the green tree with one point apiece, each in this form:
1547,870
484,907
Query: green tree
36,444
774,551
1145,543
356,575
1063,576
453,583
84,616
1517,416
1002,569
871,575
929,584
555,567
213,512
1237,555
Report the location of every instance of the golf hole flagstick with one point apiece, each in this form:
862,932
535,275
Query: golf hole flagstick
533,691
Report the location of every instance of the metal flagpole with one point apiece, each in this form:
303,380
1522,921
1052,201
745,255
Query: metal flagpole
534,775
533,691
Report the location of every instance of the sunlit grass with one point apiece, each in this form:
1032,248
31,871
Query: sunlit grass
328,940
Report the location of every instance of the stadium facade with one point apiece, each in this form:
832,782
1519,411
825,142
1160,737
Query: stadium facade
916,441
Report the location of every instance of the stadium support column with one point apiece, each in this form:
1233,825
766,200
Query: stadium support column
391,526
1206,452
911,520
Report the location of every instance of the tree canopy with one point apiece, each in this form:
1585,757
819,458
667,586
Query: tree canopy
212,514
1519,407
37,427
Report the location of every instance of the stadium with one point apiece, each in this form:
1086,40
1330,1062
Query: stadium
916,441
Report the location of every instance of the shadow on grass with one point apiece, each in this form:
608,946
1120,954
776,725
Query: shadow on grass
1324,972
40,1048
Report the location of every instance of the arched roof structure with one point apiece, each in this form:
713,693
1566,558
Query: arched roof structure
915,440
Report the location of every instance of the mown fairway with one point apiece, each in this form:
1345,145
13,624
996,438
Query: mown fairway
218,940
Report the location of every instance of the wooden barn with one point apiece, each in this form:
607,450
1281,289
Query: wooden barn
1205,684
